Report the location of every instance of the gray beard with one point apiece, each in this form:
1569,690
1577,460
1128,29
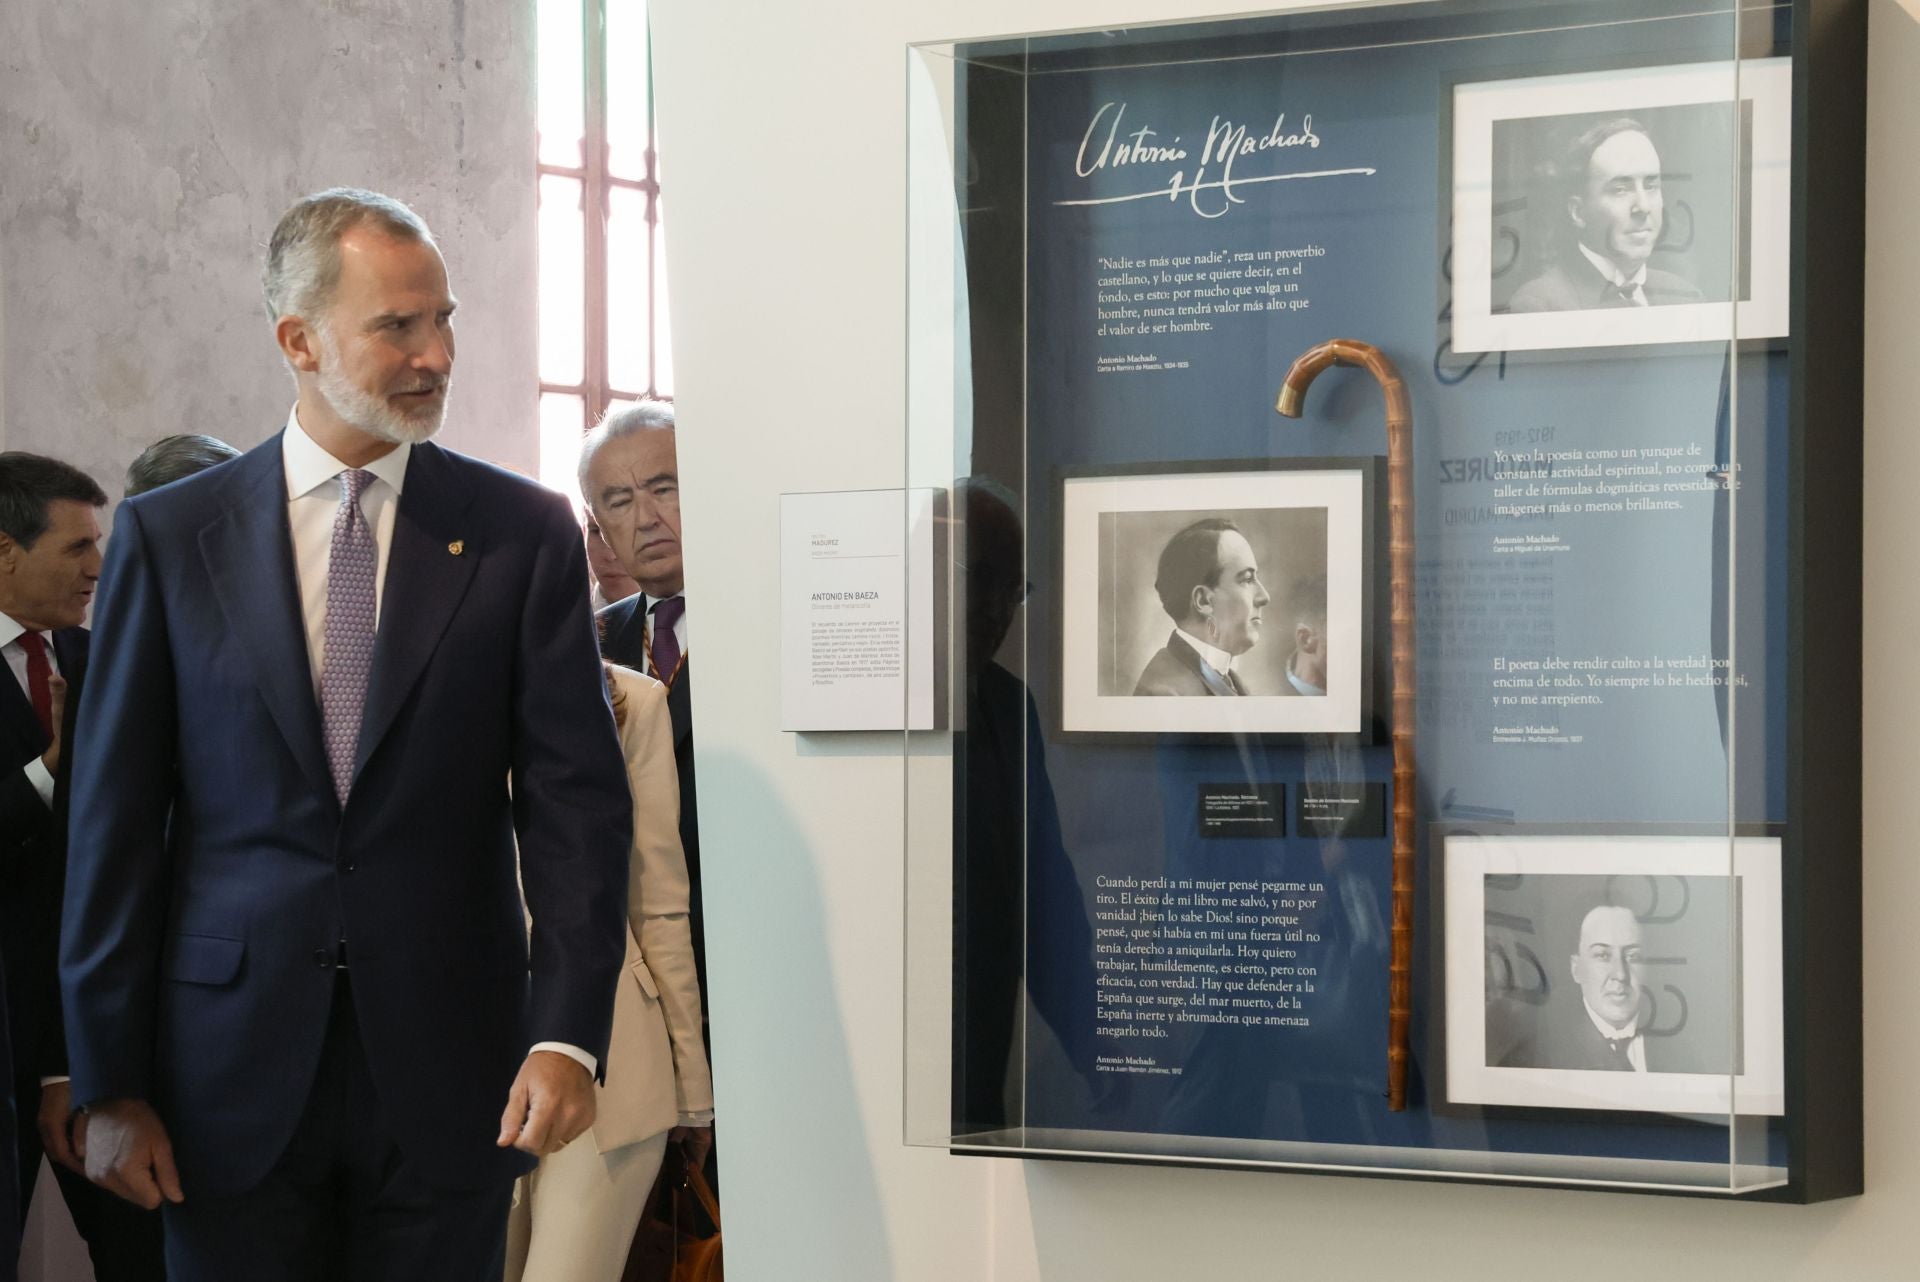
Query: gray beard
370,414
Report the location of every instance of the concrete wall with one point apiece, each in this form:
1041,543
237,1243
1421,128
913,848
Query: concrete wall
146,151
784,135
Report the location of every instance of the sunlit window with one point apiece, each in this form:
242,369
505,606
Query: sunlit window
603,285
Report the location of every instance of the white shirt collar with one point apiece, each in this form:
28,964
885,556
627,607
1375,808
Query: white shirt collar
1217,659
1302,685
1607,1030
1608,268
11,629
309,466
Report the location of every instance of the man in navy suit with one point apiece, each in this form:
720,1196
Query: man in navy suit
49,564
334,680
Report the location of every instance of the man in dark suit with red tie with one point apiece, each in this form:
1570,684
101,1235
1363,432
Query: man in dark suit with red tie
337,685
49,563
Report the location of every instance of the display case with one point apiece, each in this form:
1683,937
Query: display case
1403,636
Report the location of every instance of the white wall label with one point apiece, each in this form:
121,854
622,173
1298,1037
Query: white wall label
857,610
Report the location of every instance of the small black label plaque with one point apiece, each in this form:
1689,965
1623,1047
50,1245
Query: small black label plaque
1243,810
1341,810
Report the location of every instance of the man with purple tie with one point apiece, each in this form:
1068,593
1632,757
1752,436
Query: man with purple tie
340,683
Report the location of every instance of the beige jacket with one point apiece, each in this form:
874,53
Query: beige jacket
656,1062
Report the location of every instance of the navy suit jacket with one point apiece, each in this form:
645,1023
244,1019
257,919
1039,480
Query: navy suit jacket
211,870
624,633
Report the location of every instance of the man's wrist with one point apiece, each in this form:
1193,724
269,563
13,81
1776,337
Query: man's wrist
583,1059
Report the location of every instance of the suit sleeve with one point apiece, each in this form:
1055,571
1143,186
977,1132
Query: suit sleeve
570,801
658,894
117,864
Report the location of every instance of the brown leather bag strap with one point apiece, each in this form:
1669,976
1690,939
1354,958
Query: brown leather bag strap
697,1181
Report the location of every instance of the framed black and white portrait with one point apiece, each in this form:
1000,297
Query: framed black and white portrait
1218,598
1620,207
1614,972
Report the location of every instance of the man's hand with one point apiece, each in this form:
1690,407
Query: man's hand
551,1103
57,686
126,1150
56,1125
695,1143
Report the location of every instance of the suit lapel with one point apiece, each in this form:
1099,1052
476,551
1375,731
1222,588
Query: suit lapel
626,641
426,580
249,558
70,652
25,740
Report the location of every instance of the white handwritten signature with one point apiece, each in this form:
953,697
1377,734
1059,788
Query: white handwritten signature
1226,144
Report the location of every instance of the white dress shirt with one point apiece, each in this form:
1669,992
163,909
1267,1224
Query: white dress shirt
1217,659
1631,285
314,489
1636,1044
10,633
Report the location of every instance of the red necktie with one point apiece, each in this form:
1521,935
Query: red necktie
39,680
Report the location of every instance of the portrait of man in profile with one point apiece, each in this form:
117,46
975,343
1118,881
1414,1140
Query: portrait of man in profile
1612,212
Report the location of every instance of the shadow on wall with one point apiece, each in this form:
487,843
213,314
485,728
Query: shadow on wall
807,1170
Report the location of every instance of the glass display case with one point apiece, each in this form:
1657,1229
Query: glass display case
1402,469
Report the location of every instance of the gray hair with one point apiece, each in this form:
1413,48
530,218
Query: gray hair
303,258
640,416
172,458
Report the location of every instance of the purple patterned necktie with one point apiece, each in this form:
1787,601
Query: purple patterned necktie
664,646
347,653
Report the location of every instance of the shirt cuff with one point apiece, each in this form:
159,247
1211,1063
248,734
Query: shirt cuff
42,780
699,1117
574,1053
54,1081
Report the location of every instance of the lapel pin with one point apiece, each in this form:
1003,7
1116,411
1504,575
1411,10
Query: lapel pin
457,546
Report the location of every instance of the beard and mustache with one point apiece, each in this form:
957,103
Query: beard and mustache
371,413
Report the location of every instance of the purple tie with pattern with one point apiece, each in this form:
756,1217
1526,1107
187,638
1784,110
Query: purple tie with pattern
347,655
663,647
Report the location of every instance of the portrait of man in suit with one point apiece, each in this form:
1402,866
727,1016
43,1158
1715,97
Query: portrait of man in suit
1208,582
1614,209
344,705
1598,1022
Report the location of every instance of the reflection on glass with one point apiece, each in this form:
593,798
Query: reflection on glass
562,423
629,89
662,330
627,304
562,281
560,90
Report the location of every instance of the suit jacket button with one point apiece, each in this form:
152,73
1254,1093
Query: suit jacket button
323,958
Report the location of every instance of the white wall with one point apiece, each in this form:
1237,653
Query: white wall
784,132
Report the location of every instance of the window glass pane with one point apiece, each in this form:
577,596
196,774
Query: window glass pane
629,88
662,331
559,86
628,306
562,423
562,281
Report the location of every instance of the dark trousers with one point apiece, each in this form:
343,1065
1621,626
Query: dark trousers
342,1204
122,1239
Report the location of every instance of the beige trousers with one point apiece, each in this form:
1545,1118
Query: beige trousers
573,1219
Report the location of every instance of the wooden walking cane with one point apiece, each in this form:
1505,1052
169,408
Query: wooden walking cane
1347,351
